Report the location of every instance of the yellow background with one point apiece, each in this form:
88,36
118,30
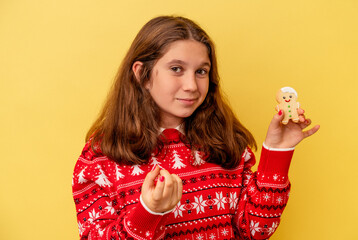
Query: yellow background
58,59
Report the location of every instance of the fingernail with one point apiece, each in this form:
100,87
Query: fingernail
161,178
280,112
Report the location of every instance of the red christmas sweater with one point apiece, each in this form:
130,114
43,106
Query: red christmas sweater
216,204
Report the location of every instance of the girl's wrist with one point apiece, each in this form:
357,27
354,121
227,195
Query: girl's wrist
150,211
273,147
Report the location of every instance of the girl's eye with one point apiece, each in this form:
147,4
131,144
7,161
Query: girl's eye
290,96
176,69
202,71
284,97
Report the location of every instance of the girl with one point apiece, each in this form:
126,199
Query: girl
167,158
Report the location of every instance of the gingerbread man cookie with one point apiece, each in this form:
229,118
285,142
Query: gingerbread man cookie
286,98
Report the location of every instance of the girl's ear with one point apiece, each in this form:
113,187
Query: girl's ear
137,69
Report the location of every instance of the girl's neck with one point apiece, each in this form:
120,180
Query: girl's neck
180,128
171,124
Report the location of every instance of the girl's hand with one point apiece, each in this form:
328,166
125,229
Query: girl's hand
165,194
288,136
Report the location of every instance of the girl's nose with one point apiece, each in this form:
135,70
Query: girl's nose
189,82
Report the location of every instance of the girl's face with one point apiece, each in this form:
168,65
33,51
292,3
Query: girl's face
180,80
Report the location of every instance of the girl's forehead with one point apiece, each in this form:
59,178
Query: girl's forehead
186,49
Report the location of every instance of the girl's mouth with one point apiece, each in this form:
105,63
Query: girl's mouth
187,101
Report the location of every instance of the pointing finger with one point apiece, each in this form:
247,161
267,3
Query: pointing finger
311,131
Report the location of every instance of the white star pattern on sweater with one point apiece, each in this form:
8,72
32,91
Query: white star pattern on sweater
220,200
199,204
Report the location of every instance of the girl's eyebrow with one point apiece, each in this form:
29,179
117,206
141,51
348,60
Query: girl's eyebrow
177,61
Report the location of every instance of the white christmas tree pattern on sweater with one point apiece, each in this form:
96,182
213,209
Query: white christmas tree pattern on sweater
155,161
102,179
198,159
136,170
81,176
118,173
178,164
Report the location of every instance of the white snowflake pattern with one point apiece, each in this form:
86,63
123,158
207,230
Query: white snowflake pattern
224,232
147,234
110,208
178,211
199,204
267,197
100,231
254,227
220,201
245,196
272,229
252,189
233,200
279,200
93,215
212,236
247,178
199,236
275,177
81,228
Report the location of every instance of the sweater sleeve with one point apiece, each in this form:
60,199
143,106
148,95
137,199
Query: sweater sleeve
264,194
100,212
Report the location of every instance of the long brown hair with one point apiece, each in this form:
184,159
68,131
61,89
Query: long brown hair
128,126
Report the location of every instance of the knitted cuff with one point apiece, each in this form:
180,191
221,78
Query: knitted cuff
150,211
274,165
142,224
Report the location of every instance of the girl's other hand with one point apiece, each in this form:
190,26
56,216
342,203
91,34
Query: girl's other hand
163,195
288,136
